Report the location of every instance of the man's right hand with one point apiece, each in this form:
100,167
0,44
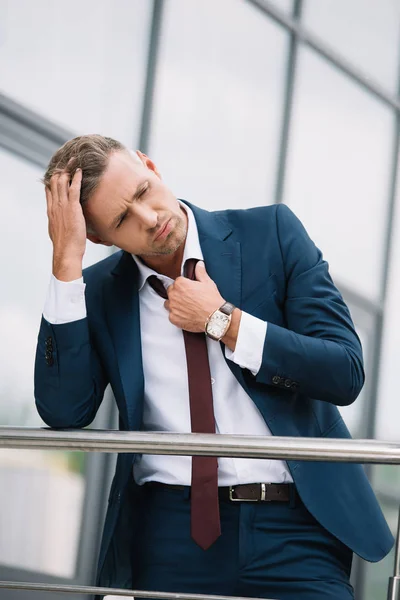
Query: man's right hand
67,227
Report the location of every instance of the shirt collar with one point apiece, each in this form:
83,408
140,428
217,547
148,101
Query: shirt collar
192,250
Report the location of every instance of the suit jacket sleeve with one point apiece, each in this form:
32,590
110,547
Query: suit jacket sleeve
319,353
69,378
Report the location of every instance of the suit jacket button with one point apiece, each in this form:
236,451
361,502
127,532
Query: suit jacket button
49,342
276,380
288,383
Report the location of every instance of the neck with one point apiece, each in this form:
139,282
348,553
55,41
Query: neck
169,265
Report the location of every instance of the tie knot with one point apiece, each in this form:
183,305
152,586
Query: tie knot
158,286
190,267
189,271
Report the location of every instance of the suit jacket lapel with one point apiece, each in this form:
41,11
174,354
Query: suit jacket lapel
123,316
222,256
222,253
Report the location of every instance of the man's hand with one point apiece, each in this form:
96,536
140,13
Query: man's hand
67,227
190,303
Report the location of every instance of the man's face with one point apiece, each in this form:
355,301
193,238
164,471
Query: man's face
132,209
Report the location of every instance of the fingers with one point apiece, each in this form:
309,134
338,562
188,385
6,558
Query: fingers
59,188
54,189
62,189
200,271
75,187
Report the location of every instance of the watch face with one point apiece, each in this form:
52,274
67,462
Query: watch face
217,324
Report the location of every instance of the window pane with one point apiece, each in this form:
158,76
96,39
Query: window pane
386,479
377,574
388,410
82,66
365,33
33,536
283,5
218,103
338,171
354,415
42,534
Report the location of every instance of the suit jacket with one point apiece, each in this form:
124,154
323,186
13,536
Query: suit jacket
263,261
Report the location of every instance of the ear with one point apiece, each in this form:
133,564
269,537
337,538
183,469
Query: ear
96,240
148,163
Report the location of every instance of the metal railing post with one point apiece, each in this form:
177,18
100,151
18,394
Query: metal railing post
394,582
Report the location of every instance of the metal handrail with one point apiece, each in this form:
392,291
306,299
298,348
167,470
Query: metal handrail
102,591
308,449
203,444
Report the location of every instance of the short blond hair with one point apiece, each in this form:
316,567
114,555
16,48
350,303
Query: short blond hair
87,152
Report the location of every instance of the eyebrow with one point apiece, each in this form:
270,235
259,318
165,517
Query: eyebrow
137,193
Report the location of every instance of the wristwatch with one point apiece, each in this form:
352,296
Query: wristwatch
219,321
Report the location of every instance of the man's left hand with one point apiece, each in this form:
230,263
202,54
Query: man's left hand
190,303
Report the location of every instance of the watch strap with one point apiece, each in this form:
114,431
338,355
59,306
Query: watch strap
227,308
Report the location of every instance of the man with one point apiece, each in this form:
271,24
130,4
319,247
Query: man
280,354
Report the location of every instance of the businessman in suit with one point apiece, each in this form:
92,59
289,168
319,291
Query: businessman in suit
215,322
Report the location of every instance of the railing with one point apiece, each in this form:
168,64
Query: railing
314,449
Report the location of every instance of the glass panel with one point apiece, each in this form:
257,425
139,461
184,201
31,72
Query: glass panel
354,415
218,103
338,171
377,574
365,33
42,534
282,5
33,535
83,67
388,410
387,480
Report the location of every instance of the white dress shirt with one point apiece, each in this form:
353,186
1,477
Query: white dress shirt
166,393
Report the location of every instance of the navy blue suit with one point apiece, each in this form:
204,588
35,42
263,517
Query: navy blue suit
263,261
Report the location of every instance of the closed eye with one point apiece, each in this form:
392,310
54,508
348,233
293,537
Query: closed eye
137,196
143,191
122,219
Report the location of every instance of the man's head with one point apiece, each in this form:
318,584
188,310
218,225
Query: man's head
123,198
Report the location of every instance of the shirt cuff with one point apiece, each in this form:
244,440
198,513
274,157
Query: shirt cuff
65,301
249,344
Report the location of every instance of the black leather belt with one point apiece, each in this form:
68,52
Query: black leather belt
249,492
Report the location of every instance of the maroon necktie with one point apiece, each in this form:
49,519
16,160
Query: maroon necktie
205,520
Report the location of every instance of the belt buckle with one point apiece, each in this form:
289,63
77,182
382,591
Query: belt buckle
263,493
262,499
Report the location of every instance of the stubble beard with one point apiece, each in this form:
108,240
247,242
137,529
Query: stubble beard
173,241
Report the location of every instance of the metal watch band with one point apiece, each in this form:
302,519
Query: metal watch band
227,308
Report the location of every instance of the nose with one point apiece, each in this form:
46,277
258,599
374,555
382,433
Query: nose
146,215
